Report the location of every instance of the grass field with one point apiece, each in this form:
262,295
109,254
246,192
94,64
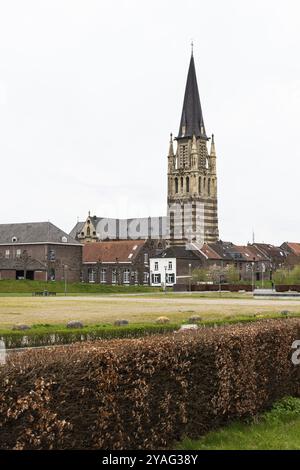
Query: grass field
137,308
278,429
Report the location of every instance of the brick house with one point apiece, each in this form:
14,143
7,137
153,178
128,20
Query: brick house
38,251
250,262
276,254
118,262
292,251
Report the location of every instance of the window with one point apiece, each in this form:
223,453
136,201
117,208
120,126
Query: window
176,185
51,255
156,266
187,184
126,276
199,185
88,231
208,186
146,258
18,253
114,276
170,278
181,183
146,277
7,254
170,265
92,275
103,275
156,279
14,239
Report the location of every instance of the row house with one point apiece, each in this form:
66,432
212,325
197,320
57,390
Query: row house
124,262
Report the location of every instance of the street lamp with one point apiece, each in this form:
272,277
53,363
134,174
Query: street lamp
165,286
65,277
253,264
190,277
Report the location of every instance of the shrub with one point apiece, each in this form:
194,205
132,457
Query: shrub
40,335
145,393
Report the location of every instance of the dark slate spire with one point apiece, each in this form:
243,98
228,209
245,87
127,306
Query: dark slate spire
191,118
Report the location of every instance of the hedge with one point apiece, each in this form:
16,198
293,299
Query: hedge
145,393
213,287
287,287
47,336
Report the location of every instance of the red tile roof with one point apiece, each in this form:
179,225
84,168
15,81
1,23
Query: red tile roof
107,252
250,253
209,253
295,247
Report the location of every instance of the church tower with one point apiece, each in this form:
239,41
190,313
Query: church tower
192,178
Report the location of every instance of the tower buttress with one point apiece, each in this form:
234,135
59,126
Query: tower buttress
194,155
171,156
212,156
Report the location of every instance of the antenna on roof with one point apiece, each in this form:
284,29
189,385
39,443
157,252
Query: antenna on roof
253,237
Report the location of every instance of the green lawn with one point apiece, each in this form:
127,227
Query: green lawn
278,429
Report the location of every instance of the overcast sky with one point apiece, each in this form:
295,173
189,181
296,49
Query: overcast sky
90,90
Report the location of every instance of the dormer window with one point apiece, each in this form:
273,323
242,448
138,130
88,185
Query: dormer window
14,239
64,239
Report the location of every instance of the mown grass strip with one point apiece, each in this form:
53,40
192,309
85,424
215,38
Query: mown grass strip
278,429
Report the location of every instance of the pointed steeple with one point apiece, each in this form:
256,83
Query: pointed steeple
171,148
212,146
191,122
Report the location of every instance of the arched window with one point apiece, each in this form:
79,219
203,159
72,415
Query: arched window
208,186
187,184
181,183
204,183
199,185
88,231
176,185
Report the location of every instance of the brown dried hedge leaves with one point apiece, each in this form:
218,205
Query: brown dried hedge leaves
145,393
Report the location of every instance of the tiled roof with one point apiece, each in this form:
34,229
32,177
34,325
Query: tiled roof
295,248
179,251
209,253
250,253
139,228
108,252
36,232
270,250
